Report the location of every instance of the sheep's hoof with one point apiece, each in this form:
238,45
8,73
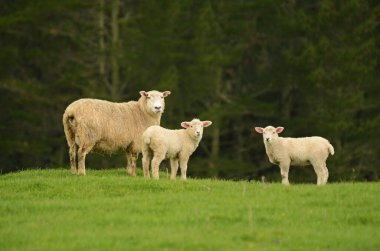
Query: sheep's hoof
130,172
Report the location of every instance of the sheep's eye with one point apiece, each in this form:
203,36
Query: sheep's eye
148,97
272,132
191,126
162,97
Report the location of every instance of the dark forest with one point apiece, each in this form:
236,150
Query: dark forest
309,66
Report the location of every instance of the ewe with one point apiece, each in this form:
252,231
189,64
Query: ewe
287,152
178,145
92,124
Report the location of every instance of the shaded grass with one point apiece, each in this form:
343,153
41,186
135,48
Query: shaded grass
106,210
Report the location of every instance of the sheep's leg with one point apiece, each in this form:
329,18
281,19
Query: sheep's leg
319,170
326,174
82,152
70,137
174,167
132,158
284,167
183,163
129,161
146,162
156,161
73,153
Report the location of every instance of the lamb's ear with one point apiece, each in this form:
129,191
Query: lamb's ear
259,129
206,123
143,93
279,129
166,93
185,124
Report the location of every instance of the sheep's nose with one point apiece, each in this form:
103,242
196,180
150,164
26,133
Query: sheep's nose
267,139
198,133
157,107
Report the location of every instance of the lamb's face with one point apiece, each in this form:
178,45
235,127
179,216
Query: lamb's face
155,100
269,133
195,127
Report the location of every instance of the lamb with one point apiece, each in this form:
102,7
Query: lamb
99,125
287,152
178,145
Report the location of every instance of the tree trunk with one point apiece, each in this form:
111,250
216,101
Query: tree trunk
102,45
215,145
239,141
115,78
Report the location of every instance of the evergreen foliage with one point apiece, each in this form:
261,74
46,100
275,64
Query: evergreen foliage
310,66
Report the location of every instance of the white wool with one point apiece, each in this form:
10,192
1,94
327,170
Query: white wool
178,145
99,125
287,152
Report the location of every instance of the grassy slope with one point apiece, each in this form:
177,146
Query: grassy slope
52,210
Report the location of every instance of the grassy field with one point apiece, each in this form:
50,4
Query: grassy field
106,210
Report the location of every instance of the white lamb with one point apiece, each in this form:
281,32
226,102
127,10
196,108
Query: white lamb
287,152
178,145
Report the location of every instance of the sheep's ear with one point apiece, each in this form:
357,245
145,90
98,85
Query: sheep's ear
279,129
259,129
166,93
206,123
143,93
185,124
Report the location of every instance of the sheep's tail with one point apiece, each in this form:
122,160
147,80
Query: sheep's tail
331,149
69,124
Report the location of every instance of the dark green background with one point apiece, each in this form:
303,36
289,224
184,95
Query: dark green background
310,66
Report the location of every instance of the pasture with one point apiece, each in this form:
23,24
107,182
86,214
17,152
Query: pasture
107,210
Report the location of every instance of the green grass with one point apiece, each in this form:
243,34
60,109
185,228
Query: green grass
106,210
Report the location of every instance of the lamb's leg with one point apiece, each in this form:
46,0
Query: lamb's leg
326,174
174,167
73,154
146,162
156,161
284,167
132,158
319,170
82,152
183,163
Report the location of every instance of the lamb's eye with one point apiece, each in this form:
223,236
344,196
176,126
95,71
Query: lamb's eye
272,132
162,97
191,126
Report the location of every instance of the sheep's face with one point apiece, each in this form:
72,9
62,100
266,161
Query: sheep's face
155,101
269,133
195,128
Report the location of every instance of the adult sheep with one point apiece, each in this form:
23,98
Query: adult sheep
287,152
99,125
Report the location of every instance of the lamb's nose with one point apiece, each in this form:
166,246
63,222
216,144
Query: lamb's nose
267,139
157,107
